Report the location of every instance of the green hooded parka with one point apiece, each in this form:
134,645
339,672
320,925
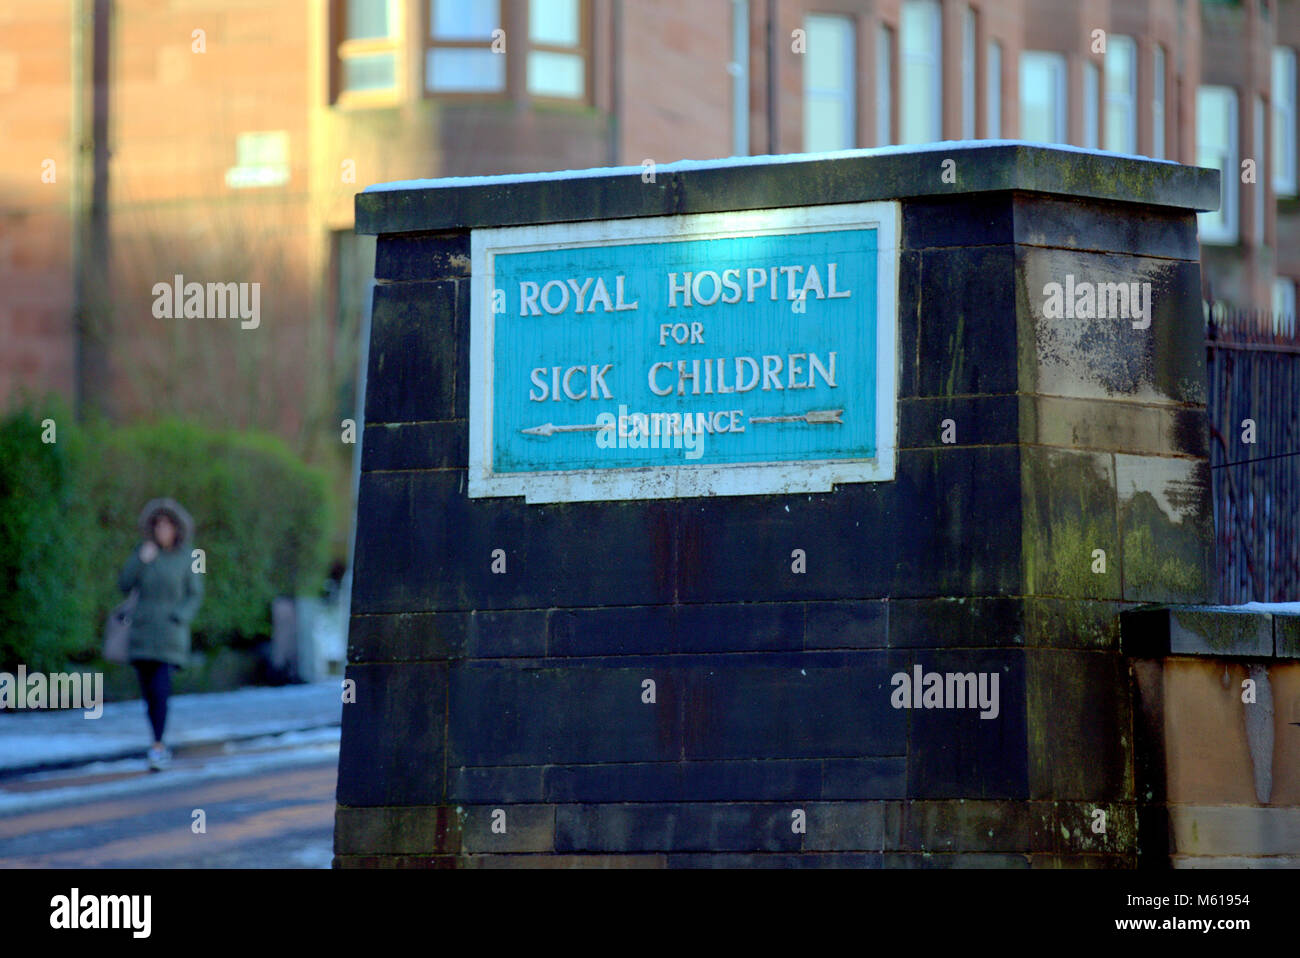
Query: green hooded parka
169,591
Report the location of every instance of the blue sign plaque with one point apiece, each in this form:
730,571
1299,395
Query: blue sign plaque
716,354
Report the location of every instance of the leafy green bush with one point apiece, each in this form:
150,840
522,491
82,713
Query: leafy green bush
68,515
46,611
261,517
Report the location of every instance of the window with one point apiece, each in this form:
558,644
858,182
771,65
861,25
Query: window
884,86
369,44
261,159
557,55
1042,96
1158,105
1259,188
1216,148
1091,104
829,104
1284,137
739,70
994,80
921,102
1121,94
459,58
1284,306
968,74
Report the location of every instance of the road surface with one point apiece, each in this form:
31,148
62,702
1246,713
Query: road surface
268,803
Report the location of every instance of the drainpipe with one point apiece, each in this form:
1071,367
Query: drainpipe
773,86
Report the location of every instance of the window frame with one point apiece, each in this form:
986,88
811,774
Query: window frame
933,58
849,93
1127,98
582,51
1259,189
429,44
343,48
1061,119
993,90
969,72
1230,233
1159,99
1284,135
1091,105
884,88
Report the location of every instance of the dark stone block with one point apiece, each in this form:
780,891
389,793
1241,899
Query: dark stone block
527,828
413,343
751,711
792,181
991,621
421,445
569,715
1154,633
1286,636
1167,520
909,306
967,332
973,826
1079,719
1110,358
675,827
861,779
505,634
847,625
1068,513
1105,227
956,753
851,826
419,830
800,860
979,220
422,256
405,638
757,627
976,421
685,782
612,631
1072,623
946,524
391,746
422,546
931,860
503,784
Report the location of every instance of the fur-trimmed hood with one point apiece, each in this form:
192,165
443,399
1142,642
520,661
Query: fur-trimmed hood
184,522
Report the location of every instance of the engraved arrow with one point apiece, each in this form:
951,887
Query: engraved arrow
549,429
813,416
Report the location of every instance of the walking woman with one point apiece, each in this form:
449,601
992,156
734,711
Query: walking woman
169,593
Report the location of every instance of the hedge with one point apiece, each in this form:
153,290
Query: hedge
68,515
46,611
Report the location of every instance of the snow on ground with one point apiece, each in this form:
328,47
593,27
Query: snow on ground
33,738
311,748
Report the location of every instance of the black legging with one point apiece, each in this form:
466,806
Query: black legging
156,686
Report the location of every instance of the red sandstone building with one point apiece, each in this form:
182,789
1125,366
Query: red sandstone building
223,140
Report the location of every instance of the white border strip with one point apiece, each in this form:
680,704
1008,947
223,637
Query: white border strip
669,482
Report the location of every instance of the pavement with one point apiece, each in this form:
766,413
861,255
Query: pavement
32,741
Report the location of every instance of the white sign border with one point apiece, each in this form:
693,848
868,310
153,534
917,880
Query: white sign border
620,483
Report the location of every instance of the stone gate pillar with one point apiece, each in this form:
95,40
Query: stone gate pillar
863,612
